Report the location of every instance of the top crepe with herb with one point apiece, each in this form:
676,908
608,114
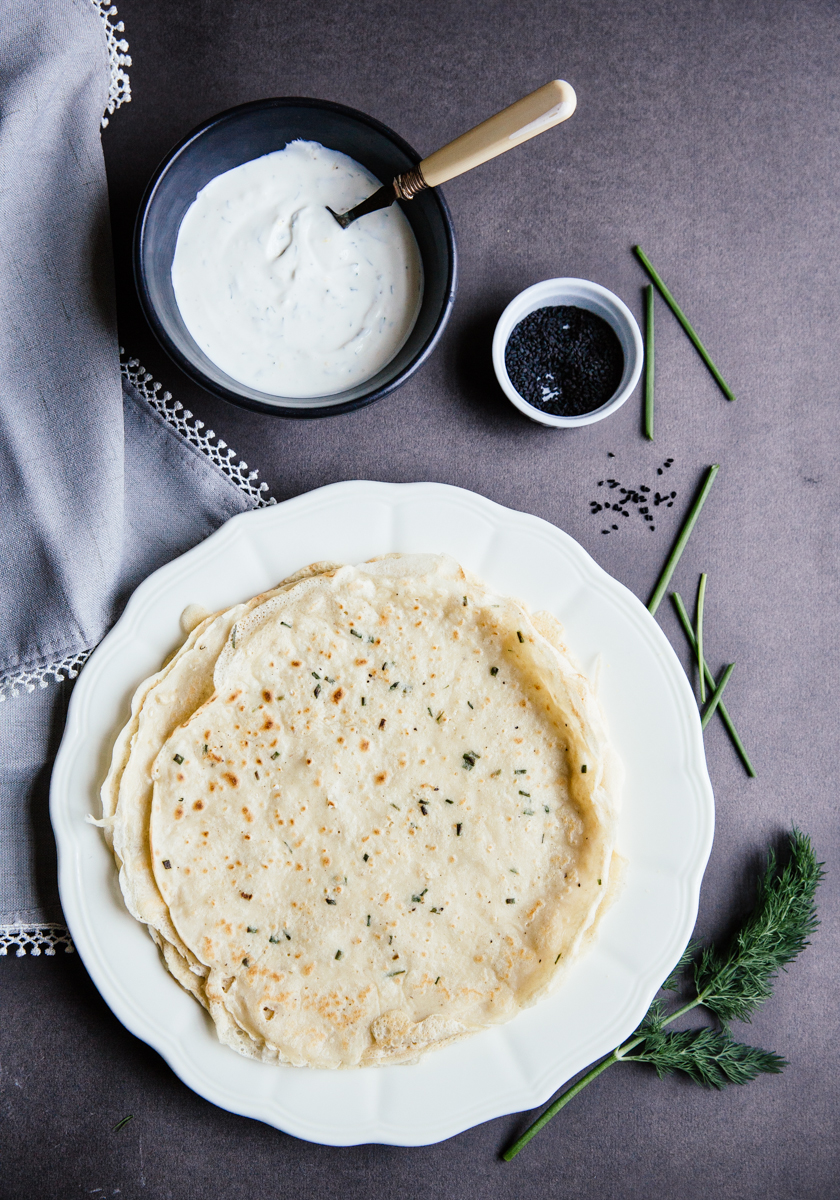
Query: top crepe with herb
390,824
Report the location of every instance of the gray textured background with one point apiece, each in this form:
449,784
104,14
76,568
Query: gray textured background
709,133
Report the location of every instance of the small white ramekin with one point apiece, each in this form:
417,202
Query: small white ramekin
581,294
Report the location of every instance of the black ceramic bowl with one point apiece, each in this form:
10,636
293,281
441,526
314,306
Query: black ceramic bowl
249,131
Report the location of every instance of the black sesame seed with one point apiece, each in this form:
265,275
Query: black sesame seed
564,360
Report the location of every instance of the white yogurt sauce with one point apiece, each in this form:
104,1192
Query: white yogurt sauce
276,293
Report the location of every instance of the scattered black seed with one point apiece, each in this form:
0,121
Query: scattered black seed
510,900
167,865
329,900
564,360
458,828
583,769
317,690
639,498
610,454
494,670
365,857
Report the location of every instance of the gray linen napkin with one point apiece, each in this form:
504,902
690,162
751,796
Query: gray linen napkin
97,486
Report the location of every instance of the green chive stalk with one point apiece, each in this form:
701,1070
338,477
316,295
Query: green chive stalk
710,679
716,697
649,362
682,540
684,321
701,600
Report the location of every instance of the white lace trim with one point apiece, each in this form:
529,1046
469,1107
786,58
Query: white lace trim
119,91
57,672
174,413
36,939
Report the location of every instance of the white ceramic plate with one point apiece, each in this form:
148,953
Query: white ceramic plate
665,831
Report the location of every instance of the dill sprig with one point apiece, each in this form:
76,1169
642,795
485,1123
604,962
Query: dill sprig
734,983
730,982
708,1056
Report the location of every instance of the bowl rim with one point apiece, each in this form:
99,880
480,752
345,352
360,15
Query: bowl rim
194,372
567,289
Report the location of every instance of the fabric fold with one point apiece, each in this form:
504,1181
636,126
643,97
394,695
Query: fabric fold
100,482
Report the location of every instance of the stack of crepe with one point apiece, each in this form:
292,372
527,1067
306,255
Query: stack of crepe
367,813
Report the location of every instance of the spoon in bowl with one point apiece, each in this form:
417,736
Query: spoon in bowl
533,114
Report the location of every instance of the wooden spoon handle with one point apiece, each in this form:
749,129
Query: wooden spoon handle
533,114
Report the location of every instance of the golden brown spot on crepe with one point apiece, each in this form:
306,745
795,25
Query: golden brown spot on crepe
337,694
326,860
247,814
381,777
199,804
268,723
382,723
361,662
296,663
308,969
231,778
298,867
364,745
267,696
179,776
232,697
247,895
